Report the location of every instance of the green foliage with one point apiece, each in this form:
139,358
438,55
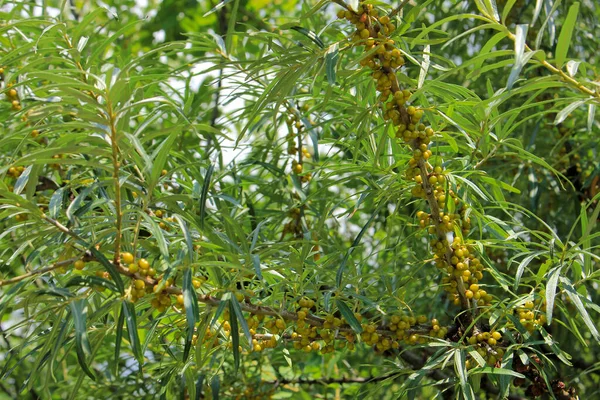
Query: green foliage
241,154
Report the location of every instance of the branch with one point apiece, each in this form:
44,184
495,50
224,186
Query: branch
398,9
40,271
327,381
572,81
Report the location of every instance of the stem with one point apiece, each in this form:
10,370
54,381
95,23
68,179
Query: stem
570,80
52,267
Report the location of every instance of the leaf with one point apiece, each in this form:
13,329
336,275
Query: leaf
553,276
188,237
160,158
82,344
461,369
564,113
576,299
424,66
309,34
348,316
572,67
22,181
256,264
591,116
190,304
563,356
496,371
215,387
240,316
520,38
118,340
536,11
231,26
204,193
130,320
114,274
331,59
91,281
235,336
566,32
219,5
199,384
56,202
524,263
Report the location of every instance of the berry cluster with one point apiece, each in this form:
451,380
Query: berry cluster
383,58
530,315
487,346
12,95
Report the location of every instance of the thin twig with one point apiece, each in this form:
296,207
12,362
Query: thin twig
398,9
40,271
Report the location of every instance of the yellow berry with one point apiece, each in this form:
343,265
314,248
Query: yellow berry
143,263
127,258
79,264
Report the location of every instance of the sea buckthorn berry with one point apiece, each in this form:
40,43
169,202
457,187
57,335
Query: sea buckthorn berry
143,264
139,284
127,258
79,264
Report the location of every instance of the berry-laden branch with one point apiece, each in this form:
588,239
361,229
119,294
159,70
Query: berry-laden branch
452,255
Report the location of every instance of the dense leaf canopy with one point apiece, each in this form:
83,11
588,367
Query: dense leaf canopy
282,199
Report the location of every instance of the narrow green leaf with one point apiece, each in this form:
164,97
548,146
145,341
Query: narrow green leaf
204,193
591,116
240,316
130,320
231,27
91,281
199,385
562,355
159,157
22,180
190,304
82,344
219,5
188,237
566,32
309,34
564,113
256,265
520,38
118,340
235,335
114,274
553,276
215,387
461,371
348,316
496,371
523,264
331,59
424,66
56,202
220,309
576,299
